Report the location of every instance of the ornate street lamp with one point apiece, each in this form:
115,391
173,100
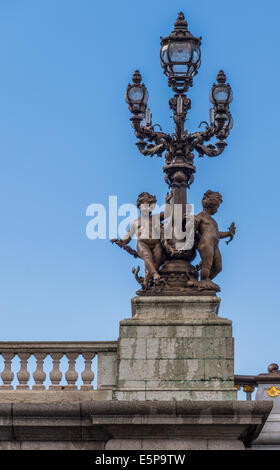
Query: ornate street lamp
137,95
221,97
180,58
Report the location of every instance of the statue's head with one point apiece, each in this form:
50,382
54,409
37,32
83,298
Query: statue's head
211,201
146,200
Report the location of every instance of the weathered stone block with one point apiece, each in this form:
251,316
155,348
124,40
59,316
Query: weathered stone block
201,385
177,369
136,349
175,308
178,395
219,368
107,363
175,348
189,348
163,329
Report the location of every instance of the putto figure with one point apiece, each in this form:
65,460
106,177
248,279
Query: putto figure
209,236
147,229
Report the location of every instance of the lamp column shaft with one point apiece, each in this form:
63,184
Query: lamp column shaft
177,176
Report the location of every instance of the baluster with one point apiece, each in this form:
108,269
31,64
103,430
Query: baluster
23,374
87,374
55,374
71,375
7,374
39,374
249,390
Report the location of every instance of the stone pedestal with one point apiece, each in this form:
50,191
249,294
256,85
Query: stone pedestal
175,348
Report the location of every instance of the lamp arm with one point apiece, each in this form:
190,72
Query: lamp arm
150,149
152,143
210,150
202,136
197,139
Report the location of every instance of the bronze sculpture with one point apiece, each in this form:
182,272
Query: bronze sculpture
209,236
168,268
149,246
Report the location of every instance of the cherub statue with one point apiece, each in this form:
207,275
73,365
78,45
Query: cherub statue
208,245
147,230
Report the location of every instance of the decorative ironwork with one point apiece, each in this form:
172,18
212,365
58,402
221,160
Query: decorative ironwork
179,147
167,261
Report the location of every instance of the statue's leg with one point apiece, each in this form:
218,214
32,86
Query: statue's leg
206,252
146,254
157,255
217,263
157,260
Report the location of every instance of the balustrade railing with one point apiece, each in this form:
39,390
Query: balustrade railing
77,357
18,355
248,382
251,382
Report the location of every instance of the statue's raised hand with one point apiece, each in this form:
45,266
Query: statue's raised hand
231,232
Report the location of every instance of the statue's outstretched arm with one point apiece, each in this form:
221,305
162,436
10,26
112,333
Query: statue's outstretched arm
230,233
128,236
123,243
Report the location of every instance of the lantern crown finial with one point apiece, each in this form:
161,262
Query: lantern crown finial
221,77
181,23
136,77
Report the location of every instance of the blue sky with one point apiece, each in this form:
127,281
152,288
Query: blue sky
66,142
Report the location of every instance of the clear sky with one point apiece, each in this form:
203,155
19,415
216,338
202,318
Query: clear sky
66,142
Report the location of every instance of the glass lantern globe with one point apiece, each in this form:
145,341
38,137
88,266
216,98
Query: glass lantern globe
136,95
221,93
180,56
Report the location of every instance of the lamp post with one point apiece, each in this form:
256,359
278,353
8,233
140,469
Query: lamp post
180,58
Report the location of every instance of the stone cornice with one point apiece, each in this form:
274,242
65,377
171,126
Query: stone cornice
108,420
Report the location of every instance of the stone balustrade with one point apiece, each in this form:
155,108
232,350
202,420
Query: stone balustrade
251,382
248,384
48,357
